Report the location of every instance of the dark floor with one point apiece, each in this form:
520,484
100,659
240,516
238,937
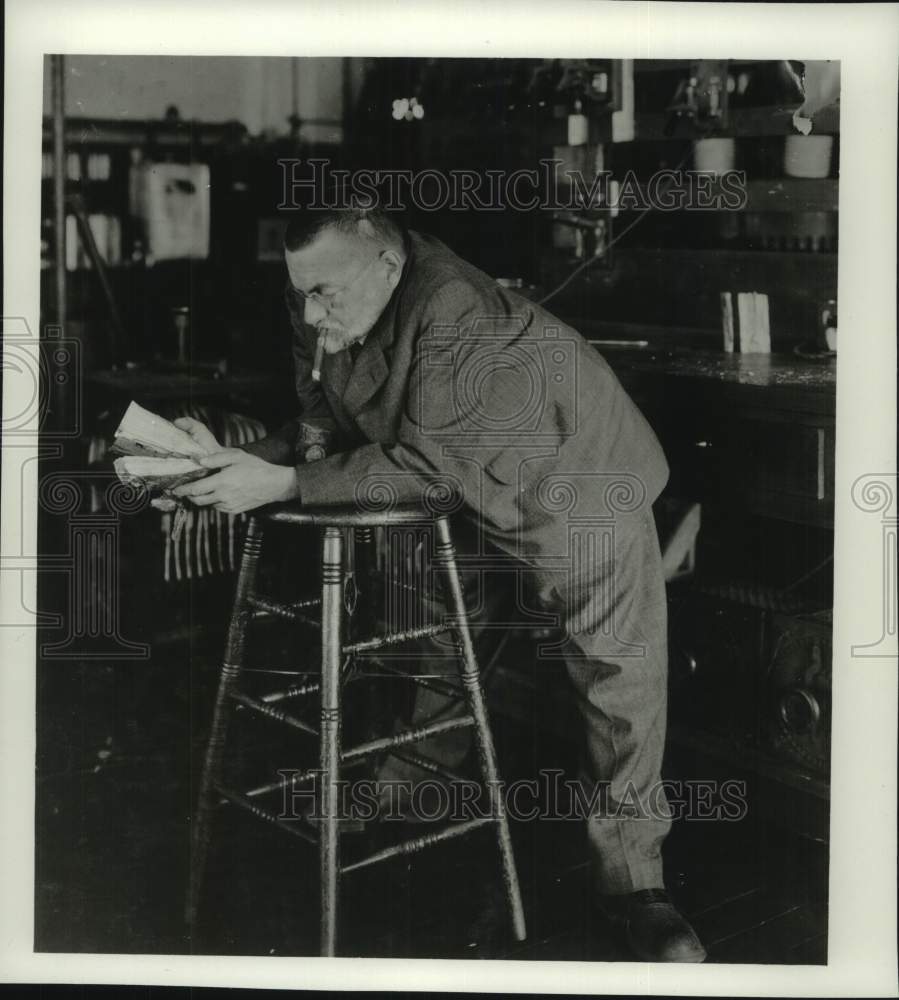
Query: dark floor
118,749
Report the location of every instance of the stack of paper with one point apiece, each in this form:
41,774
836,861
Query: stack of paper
751,334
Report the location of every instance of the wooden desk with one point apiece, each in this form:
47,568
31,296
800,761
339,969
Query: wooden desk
751,434
752,431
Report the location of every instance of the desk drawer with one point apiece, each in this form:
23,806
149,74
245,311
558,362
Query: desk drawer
769,467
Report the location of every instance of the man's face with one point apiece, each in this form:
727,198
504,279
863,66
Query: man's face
347,281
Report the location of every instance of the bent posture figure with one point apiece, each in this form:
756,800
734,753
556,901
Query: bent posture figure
433,376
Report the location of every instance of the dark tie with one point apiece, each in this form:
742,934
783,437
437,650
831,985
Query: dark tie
354,350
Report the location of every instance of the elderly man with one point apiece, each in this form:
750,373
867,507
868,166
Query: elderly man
432,373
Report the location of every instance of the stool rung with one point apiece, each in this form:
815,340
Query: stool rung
418,843
429,681
273,713
274,786
426,764
394,638
294,691
291,612
299,778
308,602
235,798
408,736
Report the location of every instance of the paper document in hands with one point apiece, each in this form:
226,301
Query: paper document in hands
156,455
158,475
144,433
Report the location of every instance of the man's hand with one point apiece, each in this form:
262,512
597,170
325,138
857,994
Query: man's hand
199,432
244,482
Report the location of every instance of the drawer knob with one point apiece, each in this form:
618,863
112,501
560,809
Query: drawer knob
799,711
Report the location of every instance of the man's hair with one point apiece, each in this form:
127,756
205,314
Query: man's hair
387,229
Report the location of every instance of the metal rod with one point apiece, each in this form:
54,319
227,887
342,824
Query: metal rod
117,330
428,681
57,82
181,315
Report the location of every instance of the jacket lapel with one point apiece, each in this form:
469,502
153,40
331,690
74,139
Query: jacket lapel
336,370
368,375
372,368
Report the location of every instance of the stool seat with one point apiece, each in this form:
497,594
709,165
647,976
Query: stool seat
337,659
339,516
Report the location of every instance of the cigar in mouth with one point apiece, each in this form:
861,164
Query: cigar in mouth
319,354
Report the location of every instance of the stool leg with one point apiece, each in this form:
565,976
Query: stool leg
215,748
366,576
332,638
474,694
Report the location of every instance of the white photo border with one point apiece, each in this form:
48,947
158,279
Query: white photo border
862,942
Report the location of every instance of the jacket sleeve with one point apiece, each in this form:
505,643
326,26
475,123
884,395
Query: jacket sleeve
420,459
279,447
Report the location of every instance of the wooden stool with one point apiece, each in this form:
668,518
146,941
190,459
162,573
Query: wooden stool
335,651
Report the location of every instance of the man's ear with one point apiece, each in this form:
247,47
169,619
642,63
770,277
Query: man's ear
393,266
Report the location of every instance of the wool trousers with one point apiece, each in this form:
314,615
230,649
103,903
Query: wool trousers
608,603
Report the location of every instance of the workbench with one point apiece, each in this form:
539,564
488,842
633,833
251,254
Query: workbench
753,431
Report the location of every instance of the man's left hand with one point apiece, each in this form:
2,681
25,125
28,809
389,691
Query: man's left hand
244,482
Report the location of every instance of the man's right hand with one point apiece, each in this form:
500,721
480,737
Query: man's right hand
200,433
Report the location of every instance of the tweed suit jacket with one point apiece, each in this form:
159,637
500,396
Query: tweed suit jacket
464,388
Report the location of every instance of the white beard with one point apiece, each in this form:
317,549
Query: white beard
340,340
350,326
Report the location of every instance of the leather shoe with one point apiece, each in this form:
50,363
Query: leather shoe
654,929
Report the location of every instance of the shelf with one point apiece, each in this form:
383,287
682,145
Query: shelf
115,132
748,122
787,195
709,256
793,195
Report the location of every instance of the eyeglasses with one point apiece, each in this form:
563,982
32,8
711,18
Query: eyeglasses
327,300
